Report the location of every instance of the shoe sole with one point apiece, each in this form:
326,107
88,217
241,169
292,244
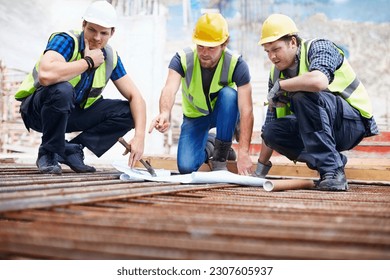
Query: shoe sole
79,170
53,171
75,169
332,188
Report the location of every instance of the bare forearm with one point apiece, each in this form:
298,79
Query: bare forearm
311,82
246,129
58,71
244,162
167,100
138,110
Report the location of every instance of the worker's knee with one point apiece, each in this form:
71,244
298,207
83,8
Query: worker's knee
188,162
228,93
227,98
186,167
268,134
60,97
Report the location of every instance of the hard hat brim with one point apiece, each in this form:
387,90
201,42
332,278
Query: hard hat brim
99,22
207,44
269,40
272,39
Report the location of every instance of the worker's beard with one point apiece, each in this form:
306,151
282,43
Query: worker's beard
207,63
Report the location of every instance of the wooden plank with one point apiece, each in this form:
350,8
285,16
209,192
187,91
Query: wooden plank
378,144
362,169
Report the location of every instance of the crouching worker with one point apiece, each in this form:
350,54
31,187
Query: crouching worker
64,94
317,106
216,93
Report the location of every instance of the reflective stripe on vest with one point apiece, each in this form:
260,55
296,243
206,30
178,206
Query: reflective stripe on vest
101,76
194,100
345,82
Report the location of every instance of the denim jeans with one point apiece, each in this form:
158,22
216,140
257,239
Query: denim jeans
191,152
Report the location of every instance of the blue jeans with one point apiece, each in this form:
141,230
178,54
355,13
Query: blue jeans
191,153
323,125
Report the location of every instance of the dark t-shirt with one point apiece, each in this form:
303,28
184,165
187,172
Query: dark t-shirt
241,75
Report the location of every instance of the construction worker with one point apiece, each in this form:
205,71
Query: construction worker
64,94
317,106
216,92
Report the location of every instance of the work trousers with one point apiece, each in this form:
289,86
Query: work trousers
322,126
191,153
52,111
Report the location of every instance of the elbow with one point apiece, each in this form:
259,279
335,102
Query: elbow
44,79
319,87
320,82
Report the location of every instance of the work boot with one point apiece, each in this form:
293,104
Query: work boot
344,159
47,162
333,181
210,148
75,158
262,169
221,150
231,154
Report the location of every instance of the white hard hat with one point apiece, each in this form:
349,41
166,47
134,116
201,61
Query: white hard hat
101,13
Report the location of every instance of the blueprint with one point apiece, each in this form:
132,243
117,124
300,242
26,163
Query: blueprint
199,177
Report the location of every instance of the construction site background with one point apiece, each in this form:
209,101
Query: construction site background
151,31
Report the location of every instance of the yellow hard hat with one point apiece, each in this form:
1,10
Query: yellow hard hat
211,30
275,27
101,13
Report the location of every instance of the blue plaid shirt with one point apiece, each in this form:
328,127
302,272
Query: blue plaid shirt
64,45
322,56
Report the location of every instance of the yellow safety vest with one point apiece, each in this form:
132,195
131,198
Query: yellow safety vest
194,99
101,76
345,83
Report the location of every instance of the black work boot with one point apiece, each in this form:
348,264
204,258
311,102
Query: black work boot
221,150
47,162
75,158
231,154
210,148
333,181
